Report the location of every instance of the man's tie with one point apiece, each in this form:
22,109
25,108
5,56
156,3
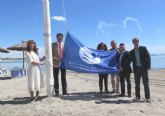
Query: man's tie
60,49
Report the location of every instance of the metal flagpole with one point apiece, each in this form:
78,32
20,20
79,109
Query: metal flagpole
48,48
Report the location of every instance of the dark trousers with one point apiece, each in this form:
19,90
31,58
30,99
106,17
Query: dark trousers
138,73
125,76
105,78
63,80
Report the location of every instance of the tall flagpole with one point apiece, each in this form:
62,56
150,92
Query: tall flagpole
48,48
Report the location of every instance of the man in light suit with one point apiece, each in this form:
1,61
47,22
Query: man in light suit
115,77
57,49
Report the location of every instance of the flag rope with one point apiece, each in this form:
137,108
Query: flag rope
64,11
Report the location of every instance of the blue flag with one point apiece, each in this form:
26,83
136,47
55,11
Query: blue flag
77,57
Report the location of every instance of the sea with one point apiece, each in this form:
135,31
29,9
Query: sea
157,62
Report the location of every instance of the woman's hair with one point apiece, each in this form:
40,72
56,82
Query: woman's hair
102,44
28,46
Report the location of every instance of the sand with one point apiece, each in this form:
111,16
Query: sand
84,98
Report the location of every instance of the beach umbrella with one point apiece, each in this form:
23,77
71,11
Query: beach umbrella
19,47
3,50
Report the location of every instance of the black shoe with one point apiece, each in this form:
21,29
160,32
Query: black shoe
57,94
121,95
129,95
136,99
113,91
106,91
148,100
66,93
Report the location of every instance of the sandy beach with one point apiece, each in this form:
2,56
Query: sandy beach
84,98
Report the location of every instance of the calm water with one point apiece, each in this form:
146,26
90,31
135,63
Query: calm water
157,62
12,64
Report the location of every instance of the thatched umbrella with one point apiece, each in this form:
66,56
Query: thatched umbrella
3,50
19,47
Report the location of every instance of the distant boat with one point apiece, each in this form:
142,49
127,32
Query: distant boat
0,60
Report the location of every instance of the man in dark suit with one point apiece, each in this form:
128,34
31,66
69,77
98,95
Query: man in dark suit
57,48
125,70
141,64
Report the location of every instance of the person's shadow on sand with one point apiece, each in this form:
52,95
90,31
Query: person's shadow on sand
98,98
21,100
117,101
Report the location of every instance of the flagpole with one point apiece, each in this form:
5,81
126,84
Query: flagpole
48,48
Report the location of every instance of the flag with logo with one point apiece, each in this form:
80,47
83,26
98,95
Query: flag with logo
77,57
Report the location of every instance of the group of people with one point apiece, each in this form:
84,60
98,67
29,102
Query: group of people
139,56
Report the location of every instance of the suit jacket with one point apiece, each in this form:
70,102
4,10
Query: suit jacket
144,58
125,62
56,53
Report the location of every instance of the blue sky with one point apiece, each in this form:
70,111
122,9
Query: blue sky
92,21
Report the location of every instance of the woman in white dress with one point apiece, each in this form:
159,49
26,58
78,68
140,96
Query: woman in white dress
35,80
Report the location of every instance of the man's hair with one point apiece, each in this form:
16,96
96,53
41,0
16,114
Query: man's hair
122,44
59,34
113,41
135,39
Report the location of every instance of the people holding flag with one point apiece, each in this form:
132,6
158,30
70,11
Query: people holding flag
57,52
100,61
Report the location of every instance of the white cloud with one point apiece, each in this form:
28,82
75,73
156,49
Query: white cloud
59,18
103,26
106,28
131,19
